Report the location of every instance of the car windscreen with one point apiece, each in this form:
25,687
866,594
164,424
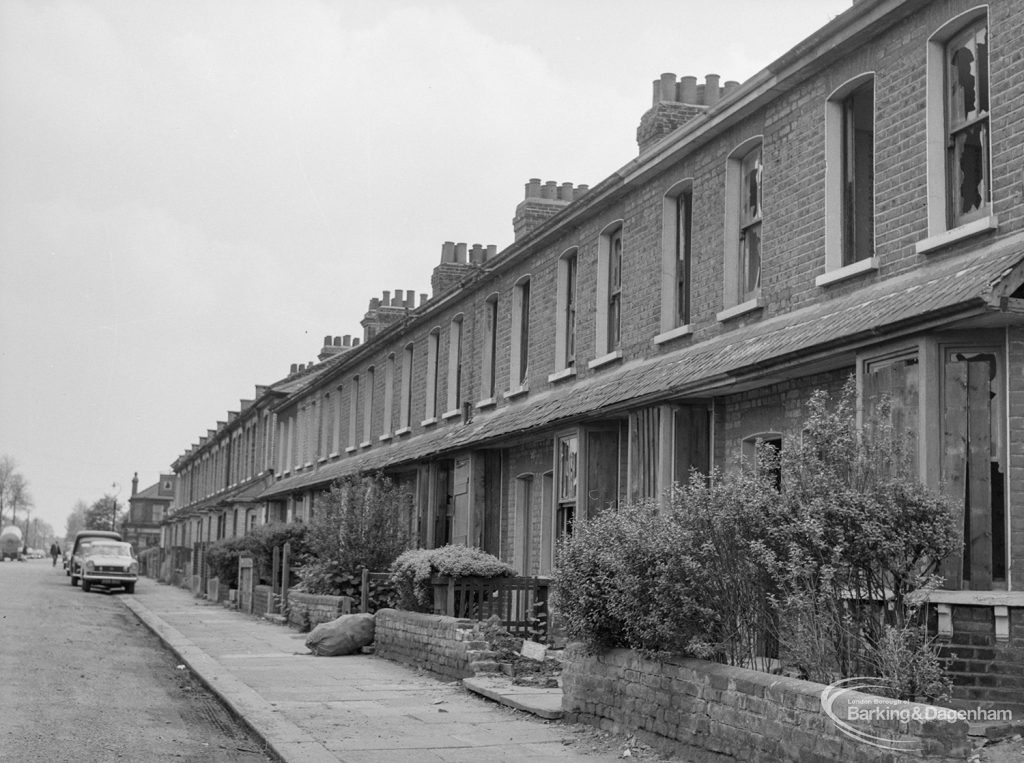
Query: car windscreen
108,549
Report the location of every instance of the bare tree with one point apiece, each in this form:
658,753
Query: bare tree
8,468
76,520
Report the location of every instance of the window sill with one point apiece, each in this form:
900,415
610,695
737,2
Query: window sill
454,413
741,309
384,437
668,336
351,449
489,402
335,454
867,265
365,444
565,373
949,237
429,422
309,465
322,460
402,430
515,392
605,359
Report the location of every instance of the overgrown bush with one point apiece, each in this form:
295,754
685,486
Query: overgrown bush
222,556
815,555
361,522
411,572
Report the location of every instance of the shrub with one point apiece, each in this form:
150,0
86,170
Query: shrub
822,550
412,571
361,522
222,556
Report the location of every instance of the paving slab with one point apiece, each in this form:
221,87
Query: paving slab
355,709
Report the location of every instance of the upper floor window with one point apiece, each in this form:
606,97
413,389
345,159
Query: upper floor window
488,370
967,123
520,344
676,256
389,394
742,265
353,412
455,364
609,290
565,308
405,413
371,372
433,375
850,178
958,143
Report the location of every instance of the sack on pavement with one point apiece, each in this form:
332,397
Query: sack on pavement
346,635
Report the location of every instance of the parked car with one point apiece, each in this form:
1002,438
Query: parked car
109,563
83,538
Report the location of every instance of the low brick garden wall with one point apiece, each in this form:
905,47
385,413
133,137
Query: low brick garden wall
442,645
710,712
309,610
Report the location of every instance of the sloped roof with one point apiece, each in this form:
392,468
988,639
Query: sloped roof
942,288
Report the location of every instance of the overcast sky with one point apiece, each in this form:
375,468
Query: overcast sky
193,194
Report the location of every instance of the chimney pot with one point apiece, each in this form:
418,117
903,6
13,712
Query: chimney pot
688,90
347,340
355,341
386,299
731,86
460,253
410,298
533,188
337,341
294,368
327,341
550,190
565,192
476,254
711,89
448,251
492,250
423,299
668,87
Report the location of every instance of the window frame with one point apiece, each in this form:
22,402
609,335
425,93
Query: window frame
676,262
519,341
736,299
565,310
433,378
944,227
838,154
609,295
489,354
456,338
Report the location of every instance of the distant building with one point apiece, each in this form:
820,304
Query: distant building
146,510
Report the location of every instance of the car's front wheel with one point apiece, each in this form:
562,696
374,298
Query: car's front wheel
129,587
86,586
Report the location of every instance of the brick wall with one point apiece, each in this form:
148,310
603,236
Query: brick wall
442,645
306,609
986,672
710,712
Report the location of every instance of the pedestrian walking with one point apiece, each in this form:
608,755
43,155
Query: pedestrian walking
54,552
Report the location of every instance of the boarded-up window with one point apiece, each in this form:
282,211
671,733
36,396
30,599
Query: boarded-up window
644,434
691,446
602,470
973,472
891,389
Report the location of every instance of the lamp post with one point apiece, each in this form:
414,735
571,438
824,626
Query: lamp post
113,515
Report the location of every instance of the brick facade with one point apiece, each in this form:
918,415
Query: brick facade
940,296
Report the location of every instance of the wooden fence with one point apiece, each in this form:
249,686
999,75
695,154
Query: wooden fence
520,603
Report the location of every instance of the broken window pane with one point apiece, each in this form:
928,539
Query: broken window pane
967,110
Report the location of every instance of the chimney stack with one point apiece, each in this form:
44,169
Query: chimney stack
458,261
676,103
542,202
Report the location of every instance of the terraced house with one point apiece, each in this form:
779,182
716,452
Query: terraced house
857,207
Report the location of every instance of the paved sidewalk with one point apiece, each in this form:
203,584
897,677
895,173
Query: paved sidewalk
356,708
